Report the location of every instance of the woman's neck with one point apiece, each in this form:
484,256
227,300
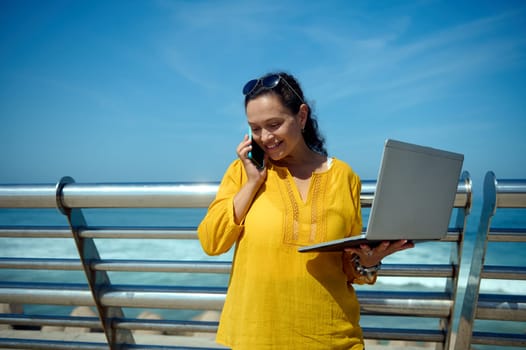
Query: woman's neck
304,164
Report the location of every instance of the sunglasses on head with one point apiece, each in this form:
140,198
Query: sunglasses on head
268,82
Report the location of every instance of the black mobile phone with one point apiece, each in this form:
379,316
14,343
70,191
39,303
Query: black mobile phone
256,155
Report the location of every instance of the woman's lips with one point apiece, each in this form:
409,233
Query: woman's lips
273,146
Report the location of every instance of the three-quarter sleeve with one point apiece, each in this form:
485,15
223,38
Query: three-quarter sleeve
218,231
356,229
356,188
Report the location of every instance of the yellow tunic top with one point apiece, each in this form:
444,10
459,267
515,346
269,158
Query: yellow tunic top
277,297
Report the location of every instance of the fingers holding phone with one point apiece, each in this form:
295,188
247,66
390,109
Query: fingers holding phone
245,152
253,158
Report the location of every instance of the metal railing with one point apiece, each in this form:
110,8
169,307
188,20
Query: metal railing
109,299
499,194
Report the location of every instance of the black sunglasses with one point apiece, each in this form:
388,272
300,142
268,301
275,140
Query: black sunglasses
267,83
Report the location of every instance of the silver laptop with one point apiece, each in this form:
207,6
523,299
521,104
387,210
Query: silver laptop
413,200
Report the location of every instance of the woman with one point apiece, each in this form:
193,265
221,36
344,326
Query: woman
279,298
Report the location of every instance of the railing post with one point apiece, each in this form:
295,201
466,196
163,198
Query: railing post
456,259
467,316
97,280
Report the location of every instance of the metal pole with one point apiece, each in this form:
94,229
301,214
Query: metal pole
98,280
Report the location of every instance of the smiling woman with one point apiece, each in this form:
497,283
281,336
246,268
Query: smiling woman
278,298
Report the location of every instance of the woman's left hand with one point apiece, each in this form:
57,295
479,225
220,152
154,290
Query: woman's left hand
373,256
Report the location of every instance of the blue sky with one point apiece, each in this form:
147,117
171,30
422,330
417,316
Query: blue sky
118,91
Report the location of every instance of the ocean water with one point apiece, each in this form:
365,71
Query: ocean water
165,249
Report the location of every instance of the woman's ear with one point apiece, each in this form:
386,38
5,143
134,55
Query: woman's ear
303,114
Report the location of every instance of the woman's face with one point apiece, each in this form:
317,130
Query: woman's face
274,127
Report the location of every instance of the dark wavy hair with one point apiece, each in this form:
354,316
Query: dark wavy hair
311,134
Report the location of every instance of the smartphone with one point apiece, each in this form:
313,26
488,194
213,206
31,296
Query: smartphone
256,155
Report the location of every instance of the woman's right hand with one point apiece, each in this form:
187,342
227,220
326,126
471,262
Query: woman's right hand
255,175
243,199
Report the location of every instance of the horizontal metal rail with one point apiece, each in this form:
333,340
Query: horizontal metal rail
150,195
158,297
510,193
499,339
404,334
40,264
128,232
417,304
171,326
507,235
100,232
199,266
504,272
168,326
424,304
35,232
45,293
55,321
35,344
501,307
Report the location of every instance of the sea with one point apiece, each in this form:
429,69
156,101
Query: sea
189,249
